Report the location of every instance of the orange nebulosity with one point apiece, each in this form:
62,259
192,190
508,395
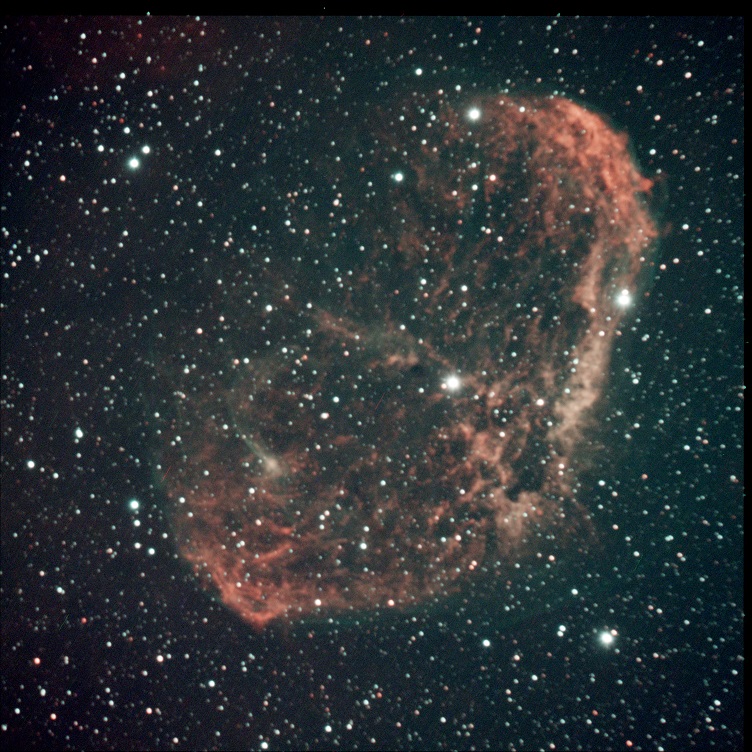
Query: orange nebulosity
330,471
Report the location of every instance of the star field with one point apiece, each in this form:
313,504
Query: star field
206,221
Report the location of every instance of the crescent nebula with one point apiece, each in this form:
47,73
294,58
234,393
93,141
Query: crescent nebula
397,396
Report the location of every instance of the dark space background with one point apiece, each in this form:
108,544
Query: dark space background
108,642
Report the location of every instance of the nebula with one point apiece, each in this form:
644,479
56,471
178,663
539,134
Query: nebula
401,397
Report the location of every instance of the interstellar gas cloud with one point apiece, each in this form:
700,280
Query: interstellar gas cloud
395,396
